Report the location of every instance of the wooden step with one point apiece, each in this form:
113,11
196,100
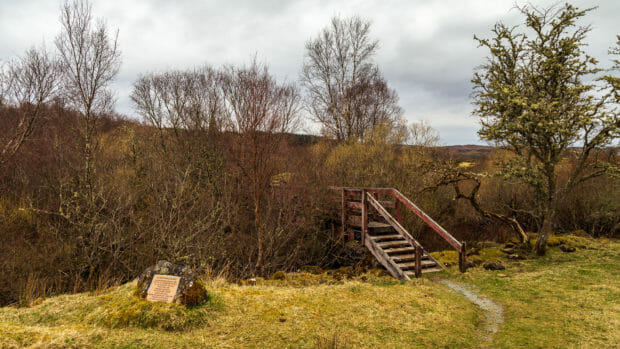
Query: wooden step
386,237
423,263
402,250
432,270
411,273
392,244
373,226
401,258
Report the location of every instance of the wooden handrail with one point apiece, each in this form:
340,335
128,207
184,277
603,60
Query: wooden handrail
428,220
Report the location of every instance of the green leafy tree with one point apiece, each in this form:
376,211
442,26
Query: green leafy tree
538,95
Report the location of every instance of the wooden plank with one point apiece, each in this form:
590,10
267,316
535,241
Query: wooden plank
428,220
344,215
364,217
418,261
378,238
402,258
424,264
401,249
463,258
425,270
355,205
385,260
373,227
390,244
369,189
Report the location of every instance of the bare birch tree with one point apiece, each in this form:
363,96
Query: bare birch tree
260,112
90,59
346,91
187,108
26,83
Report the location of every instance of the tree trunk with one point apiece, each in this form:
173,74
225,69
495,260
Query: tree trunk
259,230
543,235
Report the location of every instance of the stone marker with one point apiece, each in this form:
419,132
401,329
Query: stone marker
171,283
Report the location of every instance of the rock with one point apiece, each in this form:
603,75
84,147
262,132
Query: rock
279,275
508,250
282,319
515,256
473,262
567,248
494,265
473,252
190,291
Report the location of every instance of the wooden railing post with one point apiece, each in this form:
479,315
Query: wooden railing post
344,216
463,257
418,261
364,216
397,213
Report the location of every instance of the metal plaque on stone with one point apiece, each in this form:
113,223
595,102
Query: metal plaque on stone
163,288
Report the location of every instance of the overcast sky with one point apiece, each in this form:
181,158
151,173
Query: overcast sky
427,51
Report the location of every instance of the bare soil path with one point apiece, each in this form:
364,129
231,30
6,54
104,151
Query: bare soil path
494,313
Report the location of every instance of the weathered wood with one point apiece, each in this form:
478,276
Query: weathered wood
388,217
385,260
396,249
397,213
403,258
428,220
391,244
357,205
401,250
424,270
463,258
423,263
344,215
418,261
364,217
378,238
373,227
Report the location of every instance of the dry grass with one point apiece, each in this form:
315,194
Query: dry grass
300,311
562,300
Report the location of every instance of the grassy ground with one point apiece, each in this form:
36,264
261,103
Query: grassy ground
562,300
303,311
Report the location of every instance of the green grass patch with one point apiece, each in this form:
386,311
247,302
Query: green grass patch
561,300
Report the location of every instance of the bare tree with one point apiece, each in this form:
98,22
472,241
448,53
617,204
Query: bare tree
187,109
27,83
346,92
260,112
90,59
188,100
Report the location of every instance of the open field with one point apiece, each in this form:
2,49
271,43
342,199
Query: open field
561,300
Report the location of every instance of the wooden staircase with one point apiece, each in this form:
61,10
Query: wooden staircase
383,234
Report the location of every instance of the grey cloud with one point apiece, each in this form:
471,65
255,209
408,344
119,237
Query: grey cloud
427,49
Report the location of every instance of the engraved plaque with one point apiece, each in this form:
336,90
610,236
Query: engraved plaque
163,288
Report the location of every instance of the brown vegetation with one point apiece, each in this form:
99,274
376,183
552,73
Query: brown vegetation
214,177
